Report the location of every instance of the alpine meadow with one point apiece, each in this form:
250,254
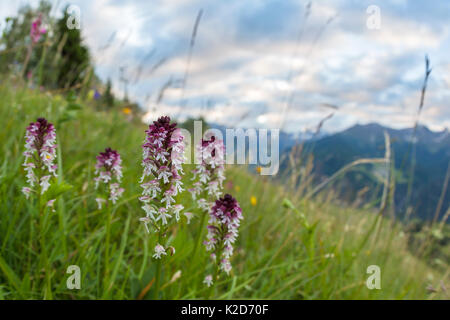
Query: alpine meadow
107,191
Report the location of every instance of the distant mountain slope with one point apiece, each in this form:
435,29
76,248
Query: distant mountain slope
367,141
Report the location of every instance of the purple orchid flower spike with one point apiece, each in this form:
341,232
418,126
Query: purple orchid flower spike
163,156
37,30
40,154
224,221
108,171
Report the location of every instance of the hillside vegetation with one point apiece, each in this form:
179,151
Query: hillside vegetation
288,247
432,156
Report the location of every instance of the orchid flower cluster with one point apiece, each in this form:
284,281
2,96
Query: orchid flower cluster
40,153
108,171
209,171
224,220
163,156
36,30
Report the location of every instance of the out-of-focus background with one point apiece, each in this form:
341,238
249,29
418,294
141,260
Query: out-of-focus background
246,57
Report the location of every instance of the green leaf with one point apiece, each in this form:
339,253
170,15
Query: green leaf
288,204
58,189
119,259
10,275
74,107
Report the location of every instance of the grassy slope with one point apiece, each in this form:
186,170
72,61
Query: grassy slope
275,257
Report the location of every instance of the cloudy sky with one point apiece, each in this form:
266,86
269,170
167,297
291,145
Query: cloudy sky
274,64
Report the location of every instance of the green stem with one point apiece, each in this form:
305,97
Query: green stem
199,235
45,261
27,60
47,268
158,268
218,254
107,241
196,246
215,276
30,240
41,64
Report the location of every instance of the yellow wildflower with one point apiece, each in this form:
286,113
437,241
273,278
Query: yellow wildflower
91,94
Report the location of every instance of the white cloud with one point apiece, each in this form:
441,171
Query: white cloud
240,67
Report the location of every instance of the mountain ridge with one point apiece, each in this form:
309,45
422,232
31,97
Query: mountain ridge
432,152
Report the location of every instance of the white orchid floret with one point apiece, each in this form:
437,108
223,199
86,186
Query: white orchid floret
149,211
178,186
151,188
164,174
213,189
146,221
208,280
162,156
189,216
177,209
196,190
228,251
100,202
203,204
31,177
26,191
50,204
45,184
163,215
225,265
159,251
168,197
115,192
